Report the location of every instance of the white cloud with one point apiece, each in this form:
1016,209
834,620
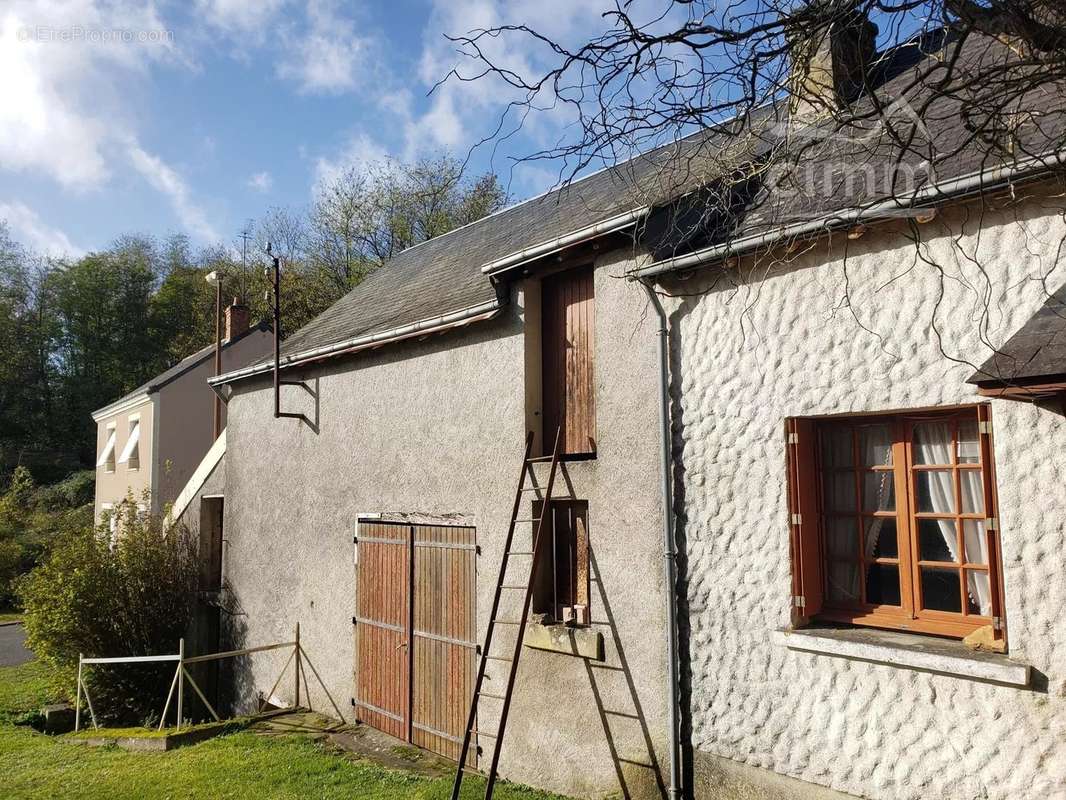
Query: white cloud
359,152
239,16
326,56
261,182
166,180
462,112
63,100
29,229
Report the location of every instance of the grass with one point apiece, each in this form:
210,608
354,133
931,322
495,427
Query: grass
236,766
152,733
10,616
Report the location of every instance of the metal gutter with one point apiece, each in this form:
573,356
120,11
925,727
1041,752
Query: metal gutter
533,252
482,311
669,545
955,189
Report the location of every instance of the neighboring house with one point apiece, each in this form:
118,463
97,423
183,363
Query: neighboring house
152,439
842,516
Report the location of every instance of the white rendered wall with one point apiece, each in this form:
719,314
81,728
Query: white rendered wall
789,344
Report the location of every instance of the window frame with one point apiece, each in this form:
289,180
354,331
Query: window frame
810,551
579,565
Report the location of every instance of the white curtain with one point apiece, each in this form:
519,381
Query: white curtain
934,447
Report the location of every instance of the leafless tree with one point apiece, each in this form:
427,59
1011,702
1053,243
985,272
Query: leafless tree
759,113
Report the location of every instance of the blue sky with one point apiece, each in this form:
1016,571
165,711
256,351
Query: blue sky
211,111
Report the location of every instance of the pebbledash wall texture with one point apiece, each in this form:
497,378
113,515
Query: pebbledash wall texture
853,326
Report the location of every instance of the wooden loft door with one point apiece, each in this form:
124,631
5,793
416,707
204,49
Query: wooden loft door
567,341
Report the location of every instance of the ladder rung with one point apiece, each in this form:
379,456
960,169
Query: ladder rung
493,696
531,519
484,733
519,552
508,622
532,488
497,658
514,586
537,459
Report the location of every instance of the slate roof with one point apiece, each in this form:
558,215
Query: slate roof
1037,351
443,275
180,368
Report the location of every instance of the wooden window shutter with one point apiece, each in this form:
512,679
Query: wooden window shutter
992,526
568,344
804,518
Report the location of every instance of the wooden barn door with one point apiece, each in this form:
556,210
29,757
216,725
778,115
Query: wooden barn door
415,631
445,629
567,345
383,627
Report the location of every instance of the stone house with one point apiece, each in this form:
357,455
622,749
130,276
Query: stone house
863,459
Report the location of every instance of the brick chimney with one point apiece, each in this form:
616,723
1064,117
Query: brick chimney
235,319
831,59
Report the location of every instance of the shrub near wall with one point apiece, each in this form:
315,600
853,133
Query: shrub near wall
132,597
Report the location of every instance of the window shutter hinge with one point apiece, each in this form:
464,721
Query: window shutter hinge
799,600
352,701
985,427
355,540
997,624
797,519
793,438
992,523
355,621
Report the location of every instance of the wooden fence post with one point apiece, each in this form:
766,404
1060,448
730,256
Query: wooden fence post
181,680
77,702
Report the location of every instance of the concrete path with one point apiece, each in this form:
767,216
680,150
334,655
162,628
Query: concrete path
13,646
359,741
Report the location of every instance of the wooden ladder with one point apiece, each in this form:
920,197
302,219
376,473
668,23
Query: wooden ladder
519,624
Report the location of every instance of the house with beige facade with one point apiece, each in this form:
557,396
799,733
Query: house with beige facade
150,441
793,445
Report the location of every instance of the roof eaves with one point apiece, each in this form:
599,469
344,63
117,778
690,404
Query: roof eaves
955,189
430,325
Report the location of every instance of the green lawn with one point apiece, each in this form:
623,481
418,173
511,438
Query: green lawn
234,766
10,616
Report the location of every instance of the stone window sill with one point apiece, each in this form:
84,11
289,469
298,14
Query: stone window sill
582,642
906,650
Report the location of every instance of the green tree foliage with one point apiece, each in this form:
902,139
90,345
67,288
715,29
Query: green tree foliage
78,334
31,518
134,596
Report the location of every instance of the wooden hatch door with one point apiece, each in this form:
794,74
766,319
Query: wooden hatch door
568,344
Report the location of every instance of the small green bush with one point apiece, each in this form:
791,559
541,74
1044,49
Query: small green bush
133,597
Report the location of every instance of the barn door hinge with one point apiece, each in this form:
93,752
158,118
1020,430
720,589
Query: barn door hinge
799,600
985,427
793,438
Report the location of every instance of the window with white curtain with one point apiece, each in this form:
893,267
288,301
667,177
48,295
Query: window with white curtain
894,522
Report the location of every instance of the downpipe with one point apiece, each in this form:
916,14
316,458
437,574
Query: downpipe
673,792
